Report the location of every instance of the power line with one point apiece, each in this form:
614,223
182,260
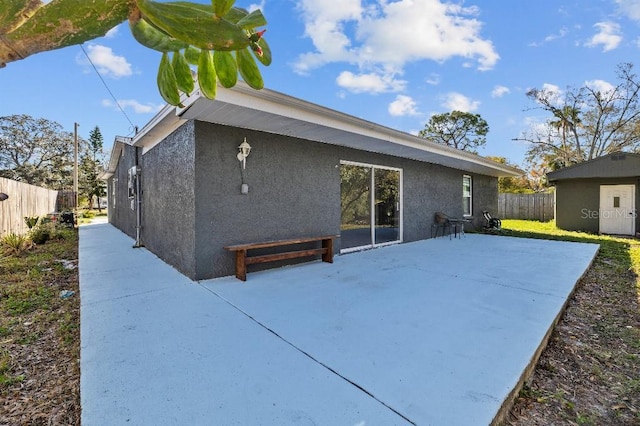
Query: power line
133,126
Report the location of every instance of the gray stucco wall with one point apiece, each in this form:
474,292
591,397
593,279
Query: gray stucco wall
578,202
120,214
192,205
168,208
294,191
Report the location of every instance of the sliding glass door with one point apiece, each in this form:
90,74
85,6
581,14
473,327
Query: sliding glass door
370,206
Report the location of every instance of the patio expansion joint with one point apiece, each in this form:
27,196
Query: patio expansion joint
524,289
311,357
126,296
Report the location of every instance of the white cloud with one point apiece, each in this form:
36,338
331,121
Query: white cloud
630,8
499,91
554,94
369,83
113,32
458,102
324,25
136,106
433,79
601,86
551,37
608,36
256,6
390,34
106,62
403,105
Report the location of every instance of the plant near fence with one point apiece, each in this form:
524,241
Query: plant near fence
16,243
41,233
31,221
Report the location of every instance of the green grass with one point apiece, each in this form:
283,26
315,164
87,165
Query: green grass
6,378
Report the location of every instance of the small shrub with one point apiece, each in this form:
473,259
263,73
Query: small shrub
41,234
31,221
17,243
89,214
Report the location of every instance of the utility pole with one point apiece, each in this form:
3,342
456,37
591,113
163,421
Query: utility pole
75,166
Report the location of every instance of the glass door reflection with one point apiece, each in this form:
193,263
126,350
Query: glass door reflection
370,206
387,205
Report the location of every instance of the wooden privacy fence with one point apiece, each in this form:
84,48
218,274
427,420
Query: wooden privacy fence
24,201
526,206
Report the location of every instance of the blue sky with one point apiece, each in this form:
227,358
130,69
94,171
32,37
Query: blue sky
395,63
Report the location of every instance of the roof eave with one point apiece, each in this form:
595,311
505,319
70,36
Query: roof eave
247,108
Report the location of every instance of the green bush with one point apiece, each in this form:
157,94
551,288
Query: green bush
88,214
17,243
40,234
31,221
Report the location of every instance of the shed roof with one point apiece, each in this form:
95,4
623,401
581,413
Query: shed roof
616,165
273,112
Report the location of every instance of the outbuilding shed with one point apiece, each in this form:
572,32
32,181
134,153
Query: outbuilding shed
599,196
255,166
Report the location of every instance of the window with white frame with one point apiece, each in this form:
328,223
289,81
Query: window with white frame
467,201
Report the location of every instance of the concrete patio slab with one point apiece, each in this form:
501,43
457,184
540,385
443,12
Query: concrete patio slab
433,332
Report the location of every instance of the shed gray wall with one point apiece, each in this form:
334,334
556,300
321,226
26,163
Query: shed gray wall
578,202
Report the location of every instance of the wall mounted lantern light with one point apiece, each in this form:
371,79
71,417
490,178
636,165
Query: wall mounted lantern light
244,149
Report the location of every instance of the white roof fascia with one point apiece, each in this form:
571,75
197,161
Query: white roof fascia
158,128
116,151
269,106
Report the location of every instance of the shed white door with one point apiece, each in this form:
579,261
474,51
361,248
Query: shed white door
617,209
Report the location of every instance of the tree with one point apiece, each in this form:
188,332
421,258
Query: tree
588,122
190,30
36,151
457,129
91,165
514,185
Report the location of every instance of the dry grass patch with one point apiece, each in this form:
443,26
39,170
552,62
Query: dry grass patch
40,333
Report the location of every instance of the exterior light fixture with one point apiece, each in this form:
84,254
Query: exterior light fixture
3,196
244,149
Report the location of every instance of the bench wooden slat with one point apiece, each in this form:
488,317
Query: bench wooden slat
266,244
282,256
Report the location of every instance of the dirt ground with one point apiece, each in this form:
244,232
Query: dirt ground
40,337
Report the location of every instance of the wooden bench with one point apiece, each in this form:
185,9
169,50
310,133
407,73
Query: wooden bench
243,259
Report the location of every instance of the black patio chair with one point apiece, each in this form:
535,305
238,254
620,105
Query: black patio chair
493,223
444,222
